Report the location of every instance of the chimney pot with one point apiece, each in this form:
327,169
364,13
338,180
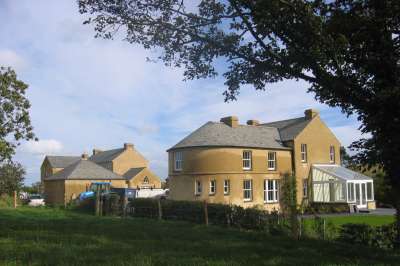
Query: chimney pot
231,121
253,122
310,113
85,156
128,146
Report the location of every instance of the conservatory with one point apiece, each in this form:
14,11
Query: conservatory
334,183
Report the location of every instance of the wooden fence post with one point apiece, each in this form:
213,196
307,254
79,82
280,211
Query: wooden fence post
125,204
159,209
324,229
97,203
15,199
206,212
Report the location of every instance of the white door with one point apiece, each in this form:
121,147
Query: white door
361,195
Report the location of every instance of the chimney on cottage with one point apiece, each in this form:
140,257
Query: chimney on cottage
310,113
253,122
96,151
85,156
128,146
231,121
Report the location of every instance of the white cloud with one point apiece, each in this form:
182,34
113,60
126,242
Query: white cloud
9,58
43,147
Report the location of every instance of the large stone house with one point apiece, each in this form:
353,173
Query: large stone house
226,162
65,177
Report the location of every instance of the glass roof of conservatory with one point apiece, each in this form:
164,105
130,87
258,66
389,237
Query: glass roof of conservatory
341,172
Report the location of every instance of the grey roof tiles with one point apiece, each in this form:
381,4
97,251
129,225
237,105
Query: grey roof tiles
62,161
84,169
219,134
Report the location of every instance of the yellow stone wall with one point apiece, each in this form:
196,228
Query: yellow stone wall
137,181
130,158
206,164
318,138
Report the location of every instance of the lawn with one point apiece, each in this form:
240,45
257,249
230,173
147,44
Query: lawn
58,237
374,220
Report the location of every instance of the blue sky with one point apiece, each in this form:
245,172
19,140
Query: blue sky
88,92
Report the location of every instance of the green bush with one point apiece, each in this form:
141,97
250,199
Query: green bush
325,208
218,214
363,234
111,204
6,201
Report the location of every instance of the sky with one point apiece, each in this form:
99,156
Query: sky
92,93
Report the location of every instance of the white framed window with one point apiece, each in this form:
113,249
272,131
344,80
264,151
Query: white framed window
303,152
332,154
247,190
350,191
305,188
197,187
271,191
213,186
178,161
227,186
370,191
246,160
271,160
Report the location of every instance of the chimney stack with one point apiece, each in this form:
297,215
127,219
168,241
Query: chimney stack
96,151
310,113
85,156
253,122
231,121
128,146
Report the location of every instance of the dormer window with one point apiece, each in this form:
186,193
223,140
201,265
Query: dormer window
178,161
146,180
303,152
246,160
332,154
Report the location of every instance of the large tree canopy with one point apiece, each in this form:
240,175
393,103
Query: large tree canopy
15,123
348,51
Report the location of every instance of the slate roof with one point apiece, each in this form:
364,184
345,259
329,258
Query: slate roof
106,156
62,161
289,129
84,169
341,172
133,172
221,135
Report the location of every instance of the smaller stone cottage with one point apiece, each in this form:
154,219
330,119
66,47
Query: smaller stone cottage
65,177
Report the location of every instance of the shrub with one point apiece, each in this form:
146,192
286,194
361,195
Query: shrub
6,201
324,208
218,214
111,204
363,234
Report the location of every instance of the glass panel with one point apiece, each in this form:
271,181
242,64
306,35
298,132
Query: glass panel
358,198
369,191
363,193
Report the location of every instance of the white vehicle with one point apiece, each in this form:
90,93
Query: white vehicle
151,193
35,200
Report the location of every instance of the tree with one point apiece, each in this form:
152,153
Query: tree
12,176
289,202
15,123
347,50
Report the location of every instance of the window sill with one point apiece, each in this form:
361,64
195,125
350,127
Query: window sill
271,169
247,200
211,194
270,202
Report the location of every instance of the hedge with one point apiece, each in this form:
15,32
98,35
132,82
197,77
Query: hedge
363,234
218,214
326,208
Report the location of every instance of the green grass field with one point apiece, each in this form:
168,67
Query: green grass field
58,237
373,220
